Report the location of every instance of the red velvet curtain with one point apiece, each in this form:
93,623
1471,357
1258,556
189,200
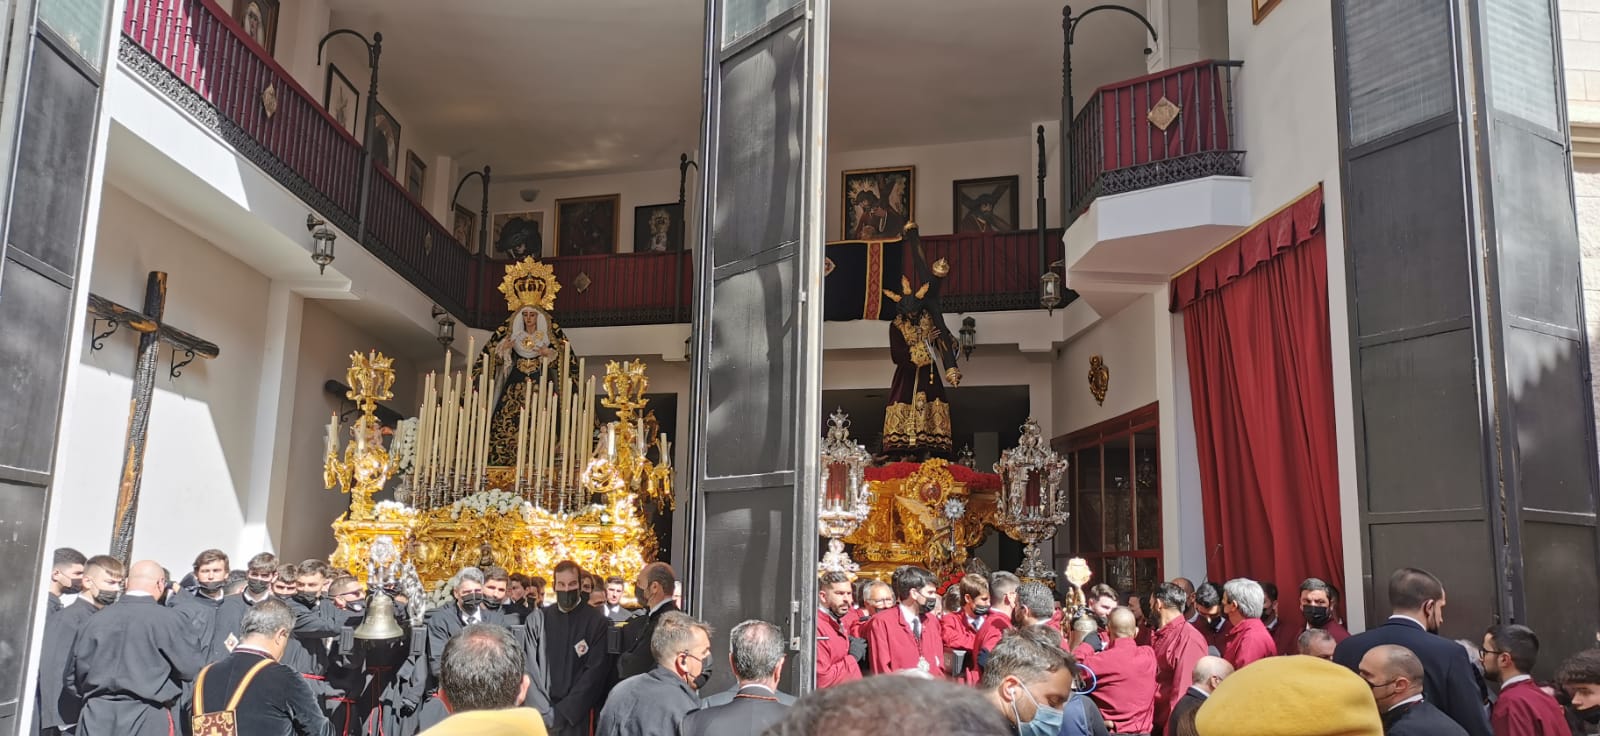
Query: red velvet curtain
1261,379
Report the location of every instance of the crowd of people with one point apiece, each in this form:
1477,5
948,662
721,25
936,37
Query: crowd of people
272,649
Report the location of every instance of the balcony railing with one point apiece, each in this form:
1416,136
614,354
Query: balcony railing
194,52
197,54
1171,126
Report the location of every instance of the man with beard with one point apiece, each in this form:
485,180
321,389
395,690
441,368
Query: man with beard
1178,648
101,579
1417,600
66,577
200,606
575,655
1210,621
838,653
1102,600
653,588
1523,708
259,573
130,662
1316,606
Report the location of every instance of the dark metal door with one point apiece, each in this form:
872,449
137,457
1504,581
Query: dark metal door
757,363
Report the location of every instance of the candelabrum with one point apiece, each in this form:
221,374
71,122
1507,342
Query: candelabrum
1031,502
621,463
845,502
387,573
366,465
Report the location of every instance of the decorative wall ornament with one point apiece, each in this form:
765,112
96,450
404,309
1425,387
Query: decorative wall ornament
1031,502
269,100
846,496
1163,113
1099,379
581,282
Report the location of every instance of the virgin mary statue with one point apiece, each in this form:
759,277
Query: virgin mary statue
527,347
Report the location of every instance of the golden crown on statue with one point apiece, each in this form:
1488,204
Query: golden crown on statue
625,385
370,377
530,284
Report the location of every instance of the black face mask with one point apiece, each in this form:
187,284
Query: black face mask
307,599
73,587
567,600
492,604
107,597
356,606
1590,715
256,586
471,602
927,606
638,595
1317,616
286,598
1216,623
701,679
980,610
211,588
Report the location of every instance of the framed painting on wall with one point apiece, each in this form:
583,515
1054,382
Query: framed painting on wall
342,101
986,205
416,174
658,228
259,18
517,235
587,225
385,141
465,227
877,203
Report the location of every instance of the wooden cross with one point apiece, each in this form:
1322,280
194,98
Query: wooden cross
152,332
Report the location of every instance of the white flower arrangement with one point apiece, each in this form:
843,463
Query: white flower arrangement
492,501
393,508
403,449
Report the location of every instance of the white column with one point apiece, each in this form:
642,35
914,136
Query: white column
269,455
1182,521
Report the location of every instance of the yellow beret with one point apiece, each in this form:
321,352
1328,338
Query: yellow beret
1291,696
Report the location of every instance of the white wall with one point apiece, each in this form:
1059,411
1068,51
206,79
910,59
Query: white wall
201,425
326,342
1127,342
638,189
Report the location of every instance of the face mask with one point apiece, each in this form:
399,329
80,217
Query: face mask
566,600
471,602
107,597
638,595
492,604
211,587
927,605
1590,714
256,586
1216,623
1317,616
701,679
286,598
980,610
308,599
1046,721
355,606
73,587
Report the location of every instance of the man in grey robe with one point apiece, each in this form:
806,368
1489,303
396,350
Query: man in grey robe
656,702
131,660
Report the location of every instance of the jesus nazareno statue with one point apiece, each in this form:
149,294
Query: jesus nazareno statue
917,421
528,347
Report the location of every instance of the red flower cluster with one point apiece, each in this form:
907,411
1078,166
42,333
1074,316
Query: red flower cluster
954,579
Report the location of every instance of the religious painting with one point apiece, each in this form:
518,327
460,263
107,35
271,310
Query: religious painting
385,143
1260,8
877,203
259,18
465,227
516,235
416,174
985,205
587,225
341,100
658,228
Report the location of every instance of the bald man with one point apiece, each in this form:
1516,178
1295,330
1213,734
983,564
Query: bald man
130,661
655,586
1189,614
1125,677
1395,675
1209,672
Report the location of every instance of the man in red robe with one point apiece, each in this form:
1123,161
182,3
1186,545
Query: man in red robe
961,626
907,637
1209,618
1247,639
1316,607
1125,677
1523,709
837,650
1177,646
1003,605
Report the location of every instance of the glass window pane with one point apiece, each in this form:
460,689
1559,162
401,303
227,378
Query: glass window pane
1146,575
750,412
1400,68
1147,484
743,16
1119,493
1089,506
81,23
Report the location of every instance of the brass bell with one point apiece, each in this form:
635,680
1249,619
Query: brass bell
379,623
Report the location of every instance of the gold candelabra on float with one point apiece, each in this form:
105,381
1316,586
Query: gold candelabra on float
1031,502
366,465
621,461
846,499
